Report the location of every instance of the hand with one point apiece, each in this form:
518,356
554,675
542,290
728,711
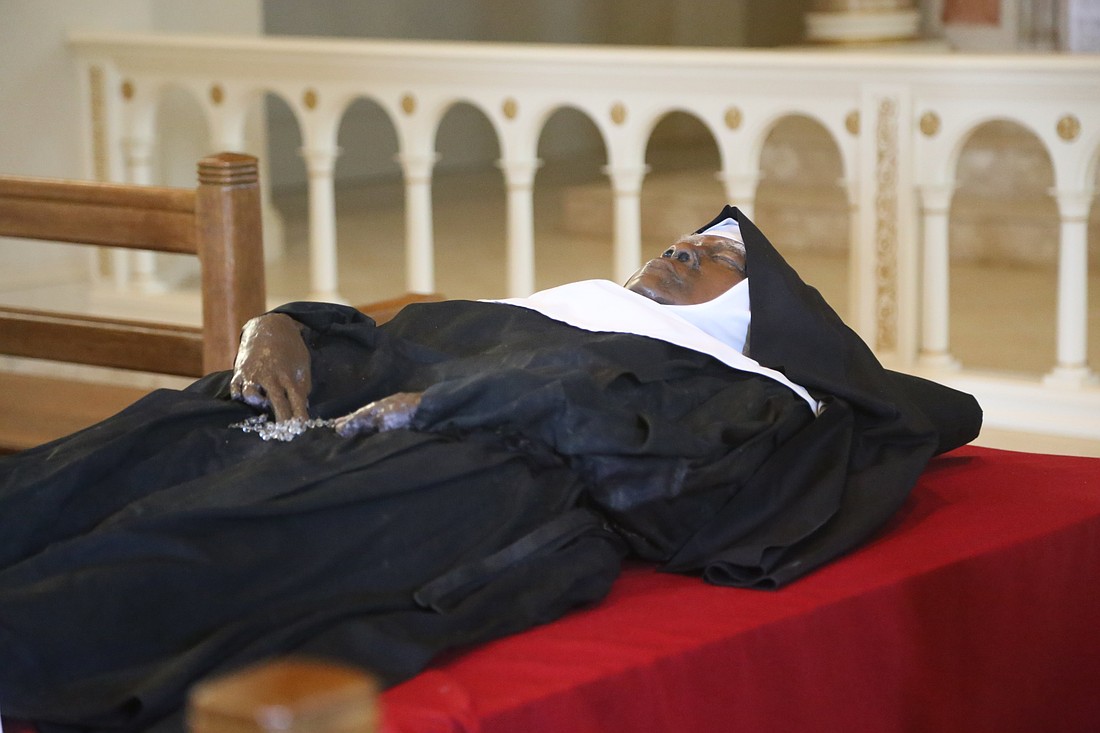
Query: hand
389,413
272,369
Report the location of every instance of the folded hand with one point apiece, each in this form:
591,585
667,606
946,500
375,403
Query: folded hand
273,367
388,413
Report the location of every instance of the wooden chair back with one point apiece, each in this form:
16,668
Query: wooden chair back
219,222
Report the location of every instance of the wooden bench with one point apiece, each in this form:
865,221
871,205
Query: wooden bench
219,222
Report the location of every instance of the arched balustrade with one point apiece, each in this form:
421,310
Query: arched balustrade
898,122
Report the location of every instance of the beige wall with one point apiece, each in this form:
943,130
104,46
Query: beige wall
39,94
40,130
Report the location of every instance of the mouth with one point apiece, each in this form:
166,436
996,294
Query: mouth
663,266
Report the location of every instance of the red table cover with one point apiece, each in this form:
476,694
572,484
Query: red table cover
978,609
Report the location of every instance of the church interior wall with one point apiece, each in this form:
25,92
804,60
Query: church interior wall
1002,211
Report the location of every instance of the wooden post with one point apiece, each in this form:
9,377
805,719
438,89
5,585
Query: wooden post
287,696
230,245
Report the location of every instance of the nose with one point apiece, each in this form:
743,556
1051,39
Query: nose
681,252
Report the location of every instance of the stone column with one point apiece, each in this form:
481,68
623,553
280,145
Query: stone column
320,164
1072,369
935,276
626,184
419,237
141,266
519,178
741,190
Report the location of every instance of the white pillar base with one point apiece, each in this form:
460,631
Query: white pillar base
1070,377
940,361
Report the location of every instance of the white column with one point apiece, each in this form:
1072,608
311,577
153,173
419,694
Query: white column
419,247
140,268
626,185
741,190
935,278
1071,369
519,177
320,163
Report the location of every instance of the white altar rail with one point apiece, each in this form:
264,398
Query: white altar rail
899,122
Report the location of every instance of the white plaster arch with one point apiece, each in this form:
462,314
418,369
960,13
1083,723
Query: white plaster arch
965,132
712,135
548,112
178,148
192,92
1090,169
834,126
763,129
349,97
587,256
546,106
443,107
373,102
654,120
958,132
262,94
144,99
520,122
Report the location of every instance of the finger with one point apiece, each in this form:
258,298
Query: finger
280,405
394,412
345,426
350,425
363,420
237,385
253,394
299,403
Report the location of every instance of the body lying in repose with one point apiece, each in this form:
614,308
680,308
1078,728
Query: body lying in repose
468,470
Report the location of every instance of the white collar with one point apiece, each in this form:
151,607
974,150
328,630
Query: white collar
726,317
604,306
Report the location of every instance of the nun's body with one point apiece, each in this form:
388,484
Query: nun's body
273,368
508,456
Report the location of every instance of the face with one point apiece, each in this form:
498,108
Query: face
694,270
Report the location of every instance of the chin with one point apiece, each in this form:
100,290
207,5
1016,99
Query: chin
654,295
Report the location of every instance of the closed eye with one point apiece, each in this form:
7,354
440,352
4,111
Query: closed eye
730,262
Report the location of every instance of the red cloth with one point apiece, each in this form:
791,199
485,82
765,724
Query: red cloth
978,609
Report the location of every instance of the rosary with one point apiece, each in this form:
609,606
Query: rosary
284,430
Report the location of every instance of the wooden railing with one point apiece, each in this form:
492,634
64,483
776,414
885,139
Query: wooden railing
898,121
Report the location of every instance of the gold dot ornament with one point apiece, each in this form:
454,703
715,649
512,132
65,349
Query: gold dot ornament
1069,127
929,123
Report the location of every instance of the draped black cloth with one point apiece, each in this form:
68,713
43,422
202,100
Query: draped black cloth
163,545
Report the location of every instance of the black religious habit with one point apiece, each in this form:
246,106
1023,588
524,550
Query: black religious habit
165,545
